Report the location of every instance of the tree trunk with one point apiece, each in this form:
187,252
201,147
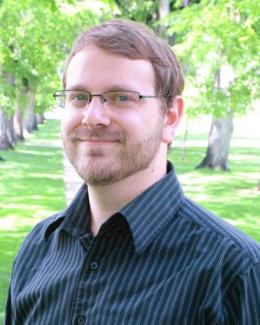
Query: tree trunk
5,139
218,144
18,122
40,118
10,130
30,116
185,3
221,129
164,10
7,135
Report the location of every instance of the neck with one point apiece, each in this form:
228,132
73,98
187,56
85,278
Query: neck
106,200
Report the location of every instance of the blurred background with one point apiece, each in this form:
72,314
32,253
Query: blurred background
217,151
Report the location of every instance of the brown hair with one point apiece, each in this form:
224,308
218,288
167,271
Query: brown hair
135,41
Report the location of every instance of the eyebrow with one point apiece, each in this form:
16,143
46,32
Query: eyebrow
111,88
77,87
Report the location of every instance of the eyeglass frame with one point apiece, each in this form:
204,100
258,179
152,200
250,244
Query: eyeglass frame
55,95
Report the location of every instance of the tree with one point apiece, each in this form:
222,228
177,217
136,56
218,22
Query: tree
218,42
6,94
35,36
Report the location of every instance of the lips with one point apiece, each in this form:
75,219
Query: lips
95,140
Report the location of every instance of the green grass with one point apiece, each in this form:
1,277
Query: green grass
233,194
31,188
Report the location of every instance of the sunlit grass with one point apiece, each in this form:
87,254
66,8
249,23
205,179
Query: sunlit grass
31,188
233,194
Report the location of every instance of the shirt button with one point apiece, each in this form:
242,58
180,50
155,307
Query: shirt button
94,265
81,320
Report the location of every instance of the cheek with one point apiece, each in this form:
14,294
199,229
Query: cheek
133,122
69,122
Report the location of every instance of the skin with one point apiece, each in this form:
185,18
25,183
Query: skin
118,153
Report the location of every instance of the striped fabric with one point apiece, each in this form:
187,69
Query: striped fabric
162,259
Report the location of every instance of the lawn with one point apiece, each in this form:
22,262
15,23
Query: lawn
32,188
232,194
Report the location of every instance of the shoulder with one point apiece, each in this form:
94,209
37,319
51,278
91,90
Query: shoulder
40,229
217,250
35,240
223,248
222,231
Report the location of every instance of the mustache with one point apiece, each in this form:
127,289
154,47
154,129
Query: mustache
84,134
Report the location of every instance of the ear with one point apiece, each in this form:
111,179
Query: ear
172,119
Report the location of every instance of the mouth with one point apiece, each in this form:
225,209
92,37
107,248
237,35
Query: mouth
97,136
99,140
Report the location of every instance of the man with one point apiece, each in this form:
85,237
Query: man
131,248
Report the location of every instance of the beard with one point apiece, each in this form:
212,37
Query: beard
99,166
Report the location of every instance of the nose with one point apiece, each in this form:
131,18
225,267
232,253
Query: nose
96,114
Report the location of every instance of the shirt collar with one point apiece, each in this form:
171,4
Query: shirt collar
146,215
74,219
152,210
77,214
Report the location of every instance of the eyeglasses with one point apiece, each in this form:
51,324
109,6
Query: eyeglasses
117,99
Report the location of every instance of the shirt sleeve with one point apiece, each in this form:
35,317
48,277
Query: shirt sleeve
242,300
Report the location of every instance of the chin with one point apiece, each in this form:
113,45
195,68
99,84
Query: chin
97,173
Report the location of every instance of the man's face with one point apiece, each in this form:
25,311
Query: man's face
107,144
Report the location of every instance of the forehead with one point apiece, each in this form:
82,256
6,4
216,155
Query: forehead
95,69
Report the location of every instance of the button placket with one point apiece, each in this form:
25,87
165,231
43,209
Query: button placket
80,320
94,265
90,267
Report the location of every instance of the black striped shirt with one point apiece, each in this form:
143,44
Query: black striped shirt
162,259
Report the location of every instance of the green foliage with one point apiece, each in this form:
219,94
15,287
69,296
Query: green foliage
35,37
137,10
213,36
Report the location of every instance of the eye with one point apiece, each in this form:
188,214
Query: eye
79,97
116,97
121,97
